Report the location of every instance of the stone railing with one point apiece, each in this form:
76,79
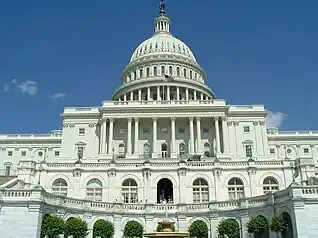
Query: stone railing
293,192
276,132
155,163
55,134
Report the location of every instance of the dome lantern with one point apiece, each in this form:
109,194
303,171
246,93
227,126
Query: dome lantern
162,23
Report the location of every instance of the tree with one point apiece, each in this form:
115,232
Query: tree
103,229
257,225
229,227
52,226
279,225
198,229
76,227
133,229
160,228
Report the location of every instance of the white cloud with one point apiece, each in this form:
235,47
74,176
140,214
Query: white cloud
6,88
14,81
57,96
275,119
29,87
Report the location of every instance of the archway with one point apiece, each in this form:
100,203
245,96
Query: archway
289,233
164,150
164,191
264,234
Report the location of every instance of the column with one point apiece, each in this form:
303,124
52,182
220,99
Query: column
217,135
129,120
103,145
168,93
139,94
199,146
125,97
191,135
237,135
148,94
226,141
110,138
178,94
154,137
187,93
136,151
158,93
195,94
173,137
131,95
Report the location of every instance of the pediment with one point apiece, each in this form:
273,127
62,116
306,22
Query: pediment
80,143
248,142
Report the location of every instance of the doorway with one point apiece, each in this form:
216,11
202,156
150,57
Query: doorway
164,191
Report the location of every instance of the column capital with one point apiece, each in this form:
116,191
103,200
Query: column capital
155,119
129,119
111,119
172,118
312,146
136,119
236,123
256,123
197,118
223,119
216,118
191,118
230,123
262,123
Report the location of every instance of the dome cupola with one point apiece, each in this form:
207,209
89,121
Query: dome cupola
163,60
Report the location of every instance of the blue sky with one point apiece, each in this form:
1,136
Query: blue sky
254,52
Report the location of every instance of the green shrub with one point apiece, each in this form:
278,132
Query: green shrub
76,227
133,229
103,229
198,229
229,227
257,225
52,226
279,225
160,228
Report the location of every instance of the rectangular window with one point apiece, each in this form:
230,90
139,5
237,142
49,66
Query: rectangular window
272,151
246,129
164,130
181,130
7,170
145,130
81,131
56,153
10,153
122,131
23,153
306,150
248,151
205,130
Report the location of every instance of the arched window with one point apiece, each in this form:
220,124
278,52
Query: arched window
182,149
190,74
140,73
94,189
135,75
178,71
59,187
270,184
207,150
162,70
147,71
170,70
155,71
200,190
146,151
185,73
129,191
164,150
235,188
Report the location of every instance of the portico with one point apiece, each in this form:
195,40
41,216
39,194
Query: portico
164,134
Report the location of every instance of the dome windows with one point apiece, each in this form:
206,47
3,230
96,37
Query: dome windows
147,72
155,71
178,71
170,70
162,70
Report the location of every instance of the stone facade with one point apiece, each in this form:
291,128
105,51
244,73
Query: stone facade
164,137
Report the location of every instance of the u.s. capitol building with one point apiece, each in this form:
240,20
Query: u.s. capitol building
164,144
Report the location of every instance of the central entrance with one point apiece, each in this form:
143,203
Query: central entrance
164,191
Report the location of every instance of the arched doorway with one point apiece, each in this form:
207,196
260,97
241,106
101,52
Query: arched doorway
289,233
164,191
146,151
264,234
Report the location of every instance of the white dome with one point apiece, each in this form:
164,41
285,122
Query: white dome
162,43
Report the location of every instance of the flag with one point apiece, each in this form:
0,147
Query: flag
168,77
